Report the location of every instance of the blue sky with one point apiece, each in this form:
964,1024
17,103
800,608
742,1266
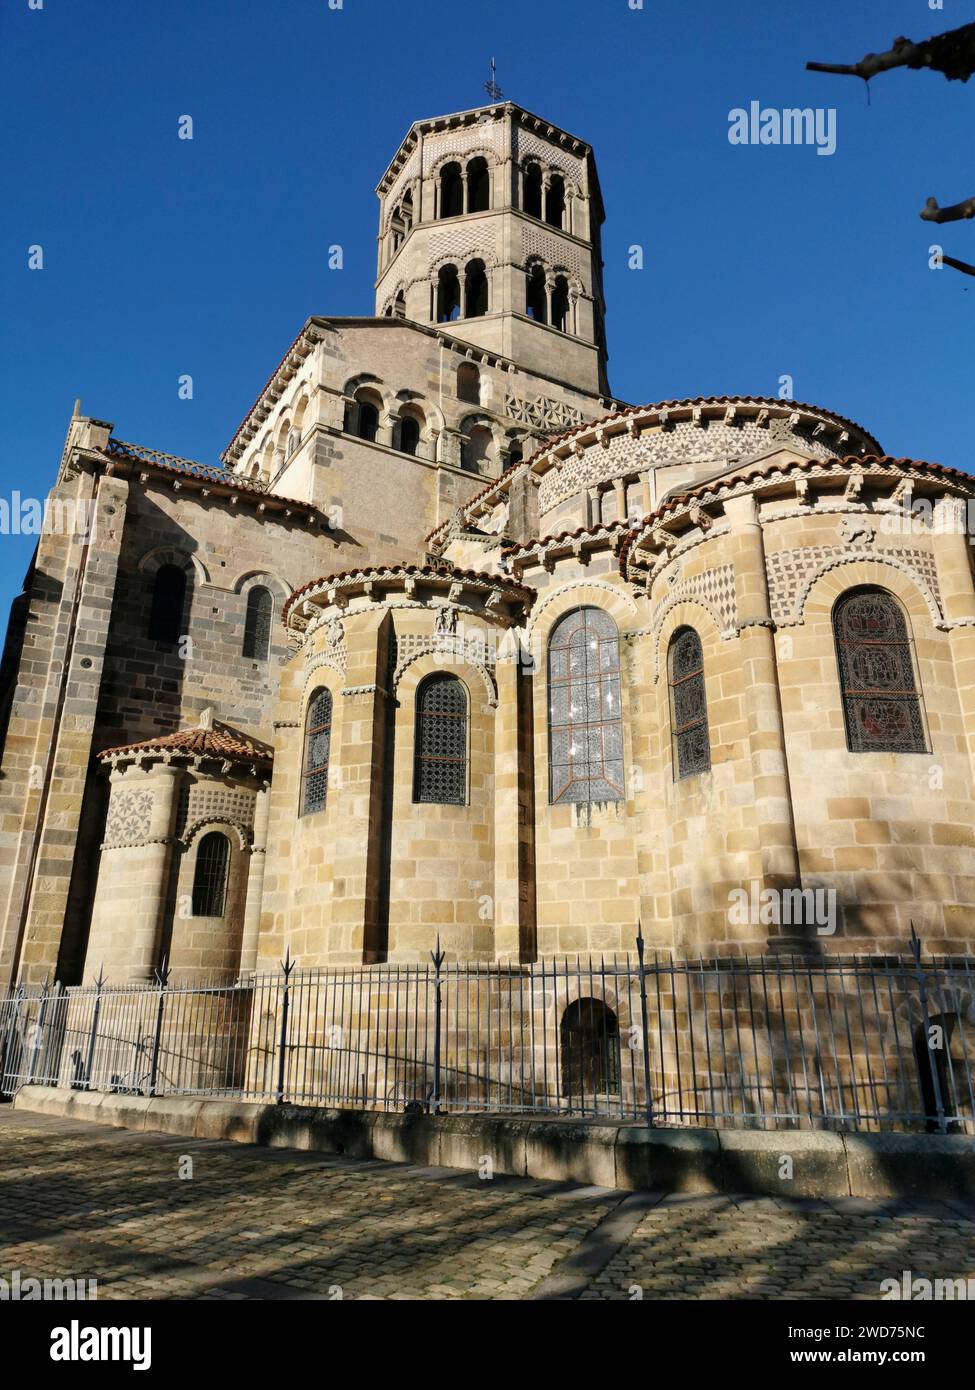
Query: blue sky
164,257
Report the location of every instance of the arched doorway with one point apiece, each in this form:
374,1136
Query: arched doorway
589,1038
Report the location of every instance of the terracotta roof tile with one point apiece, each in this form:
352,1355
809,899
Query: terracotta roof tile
701,400
734,477
626,411
215,742
204,472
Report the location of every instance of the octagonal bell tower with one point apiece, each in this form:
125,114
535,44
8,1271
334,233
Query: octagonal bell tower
490,227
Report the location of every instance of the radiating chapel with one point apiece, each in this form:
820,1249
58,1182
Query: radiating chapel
454,643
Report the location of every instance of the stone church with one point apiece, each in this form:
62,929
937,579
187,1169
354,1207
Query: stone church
453,642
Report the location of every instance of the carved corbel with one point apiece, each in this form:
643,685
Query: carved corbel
854,484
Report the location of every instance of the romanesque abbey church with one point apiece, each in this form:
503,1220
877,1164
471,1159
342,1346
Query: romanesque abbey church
452,642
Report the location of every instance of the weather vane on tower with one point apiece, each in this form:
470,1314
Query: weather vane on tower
491,86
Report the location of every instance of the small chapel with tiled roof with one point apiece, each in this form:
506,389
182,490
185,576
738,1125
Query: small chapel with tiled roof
453,644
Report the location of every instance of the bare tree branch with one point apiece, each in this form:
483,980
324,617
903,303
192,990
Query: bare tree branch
963,266
932,213
952,53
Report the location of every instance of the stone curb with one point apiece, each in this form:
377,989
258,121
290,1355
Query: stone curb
778,1163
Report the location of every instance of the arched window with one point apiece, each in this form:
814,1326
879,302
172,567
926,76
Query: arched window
469,383
688,704
478,185
409,434
535,303
448,294
284,434
257,624
533,191
475,290
440,747
318,739
367,424
560,304
584,716
555,201
589,1038
515,455
210,875
881,705
475,449
168,598
399,306
451,191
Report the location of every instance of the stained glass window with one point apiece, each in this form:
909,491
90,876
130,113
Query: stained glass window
210,875
584,713
881,705
688,704
440,756
257,625
318,738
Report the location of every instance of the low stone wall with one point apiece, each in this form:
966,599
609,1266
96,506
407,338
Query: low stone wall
781,1163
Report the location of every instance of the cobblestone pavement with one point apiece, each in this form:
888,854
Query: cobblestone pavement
80,1200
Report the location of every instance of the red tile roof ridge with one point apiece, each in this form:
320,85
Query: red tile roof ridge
212,742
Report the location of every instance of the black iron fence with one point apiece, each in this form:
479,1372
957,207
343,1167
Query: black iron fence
771,1042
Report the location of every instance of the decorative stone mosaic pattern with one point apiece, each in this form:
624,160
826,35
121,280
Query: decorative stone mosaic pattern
791,572
409,172
483,138
685,442
128,819
553,250
209,803
462,243
542,412
715,589
451,647
336,653
529,146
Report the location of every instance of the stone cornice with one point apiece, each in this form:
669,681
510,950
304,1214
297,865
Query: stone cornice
632,421
493,596
660,535
457,119
312,333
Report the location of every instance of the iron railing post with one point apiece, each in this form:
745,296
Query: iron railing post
926,1024
438,960
645,1023
11,1031
37,1034
93,1038
287,966
162,979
